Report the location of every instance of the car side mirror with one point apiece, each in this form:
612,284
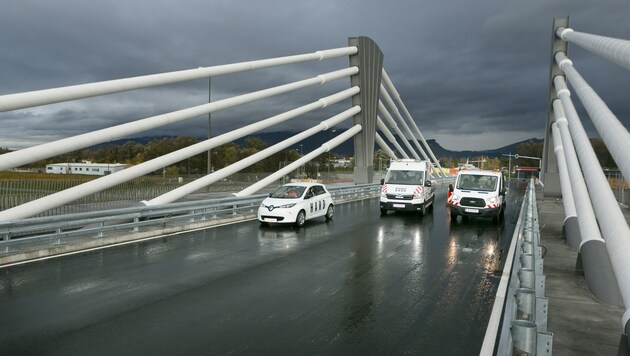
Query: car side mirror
427,183
503,191
269,194
382,181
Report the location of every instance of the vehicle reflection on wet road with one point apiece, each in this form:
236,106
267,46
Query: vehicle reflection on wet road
360,284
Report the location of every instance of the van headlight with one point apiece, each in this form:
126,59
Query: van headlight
493,200
383,195
455,197
417,195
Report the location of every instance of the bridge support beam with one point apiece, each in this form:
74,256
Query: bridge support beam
369,59
549,165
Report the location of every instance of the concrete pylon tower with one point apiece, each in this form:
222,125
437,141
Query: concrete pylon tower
369,59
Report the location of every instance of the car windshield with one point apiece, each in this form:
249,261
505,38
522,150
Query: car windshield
288,192
477,182
405,177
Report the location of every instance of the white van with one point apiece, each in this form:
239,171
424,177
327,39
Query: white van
478,193
407,187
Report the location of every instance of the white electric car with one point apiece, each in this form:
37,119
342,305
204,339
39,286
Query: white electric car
294,203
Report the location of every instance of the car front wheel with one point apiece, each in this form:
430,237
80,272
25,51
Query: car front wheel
301,219
330,212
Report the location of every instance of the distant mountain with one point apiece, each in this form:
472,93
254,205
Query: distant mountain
439,151
346,148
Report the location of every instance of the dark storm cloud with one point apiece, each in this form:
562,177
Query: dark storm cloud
474,74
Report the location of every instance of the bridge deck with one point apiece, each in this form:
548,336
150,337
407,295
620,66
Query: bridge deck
581,325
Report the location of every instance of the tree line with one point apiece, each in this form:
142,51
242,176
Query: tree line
132,153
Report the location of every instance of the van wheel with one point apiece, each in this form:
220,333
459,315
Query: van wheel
383,211
423,212
301,219
330,212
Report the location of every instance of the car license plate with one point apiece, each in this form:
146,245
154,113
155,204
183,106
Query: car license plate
398,205
476,211
271,219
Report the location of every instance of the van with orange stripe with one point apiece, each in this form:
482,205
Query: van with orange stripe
479,194
407,187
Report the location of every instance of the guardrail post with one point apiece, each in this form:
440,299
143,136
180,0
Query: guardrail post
524,336
525,304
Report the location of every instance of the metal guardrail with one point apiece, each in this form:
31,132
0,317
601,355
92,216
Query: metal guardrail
519,315
26,234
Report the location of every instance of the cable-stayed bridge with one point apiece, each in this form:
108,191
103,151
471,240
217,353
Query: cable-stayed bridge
171,275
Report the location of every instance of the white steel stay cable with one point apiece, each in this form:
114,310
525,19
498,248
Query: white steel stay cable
393,109
392,123
191,187
56,95
613,49
612,132
327,146
383,145
396,96
60,198
611,220
584,210
381,125
565,182
51,149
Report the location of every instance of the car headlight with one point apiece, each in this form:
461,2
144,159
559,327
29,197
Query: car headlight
262,205
287,206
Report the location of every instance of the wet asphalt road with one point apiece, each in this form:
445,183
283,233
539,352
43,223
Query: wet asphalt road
361,284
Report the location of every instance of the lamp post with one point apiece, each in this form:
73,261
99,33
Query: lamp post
330,154
303,168
510,155
209,126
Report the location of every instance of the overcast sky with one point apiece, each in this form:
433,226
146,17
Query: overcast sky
474,74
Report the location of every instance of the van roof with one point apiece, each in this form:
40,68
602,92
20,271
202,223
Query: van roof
480,173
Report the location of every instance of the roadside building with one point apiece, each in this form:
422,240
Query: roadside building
85,168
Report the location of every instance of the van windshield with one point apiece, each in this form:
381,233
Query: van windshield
477,182
405,177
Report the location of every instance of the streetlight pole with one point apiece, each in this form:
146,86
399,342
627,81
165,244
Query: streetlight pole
209,125
330,154
302,167
510,155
